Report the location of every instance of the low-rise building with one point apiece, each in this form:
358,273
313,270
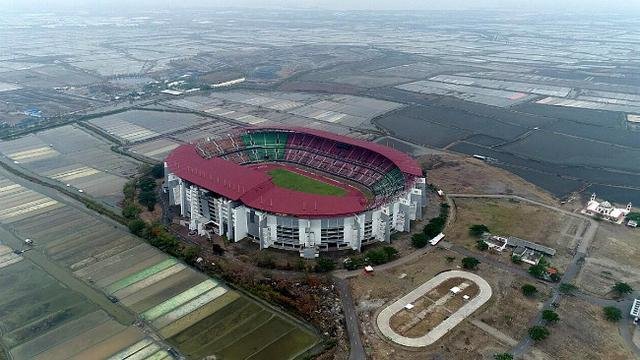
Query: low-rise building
605,210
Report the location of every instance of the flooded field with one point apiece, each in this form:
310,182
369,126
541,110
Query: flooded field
555,148
139,125
41,318
173,300
70,155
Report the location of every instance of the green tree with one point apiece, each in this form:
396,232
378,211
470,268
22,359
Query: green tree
157,171
390,251
612,313
148,199
503,356
538,271
538,333
482,245
190,253
529,290
324,265
550,316
470,263
478,230
146,183
137,226
376,257
516,259
635,216
353,263
419,240
622,288
129,190
131,211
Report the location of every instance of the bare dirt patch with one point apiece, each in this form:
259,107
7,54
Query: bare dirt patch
508,310
614,255
583,333
460,174
506,217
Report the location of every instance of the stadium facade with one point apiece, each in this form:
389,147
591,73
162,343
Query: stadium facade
222,186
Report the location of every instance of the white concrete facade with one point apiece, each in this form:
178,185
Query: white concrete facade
209,213
605,210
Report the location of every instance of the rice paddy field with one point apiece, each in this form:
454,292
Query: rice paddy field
71,156
197,315
40,318
139,125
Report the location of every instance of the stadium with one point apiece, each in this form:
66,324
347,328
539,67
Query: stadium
295,188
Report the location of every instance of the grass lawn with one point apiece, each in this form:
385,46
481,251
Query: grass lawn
290,180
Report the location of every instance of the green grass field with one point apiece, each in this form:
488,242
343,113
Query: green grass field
290,180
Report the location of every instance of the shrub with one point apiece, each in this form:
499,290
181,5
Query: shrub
478,230
381,256
612,313
635,216
470,263
529,290
137,227
131,211
376,257
516,259
129,190
324,265
391,252
538,333
622,288
503,356
353,263
538,271
190,253
481,245
419,240
450,258
550,316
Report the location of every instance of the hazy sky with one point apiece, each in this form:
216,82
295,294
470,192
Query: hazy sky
562,5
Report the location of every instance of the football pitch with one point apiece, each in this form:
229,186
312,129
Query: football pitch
293,181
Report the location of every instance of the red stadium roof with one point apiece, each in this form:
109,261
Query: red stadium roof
224,177
255,189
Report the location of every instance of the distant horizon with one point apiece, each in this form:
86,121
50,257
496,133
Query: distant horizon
550,6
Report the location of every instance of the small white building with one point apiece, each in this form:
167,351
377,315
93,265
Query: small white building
635,308
606,210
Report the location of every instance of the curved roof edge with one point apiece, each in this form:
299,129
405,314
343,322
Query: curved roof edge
404,162
255,189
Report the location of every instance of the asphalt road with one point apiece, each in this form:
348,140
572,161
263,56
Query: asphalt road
351,319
